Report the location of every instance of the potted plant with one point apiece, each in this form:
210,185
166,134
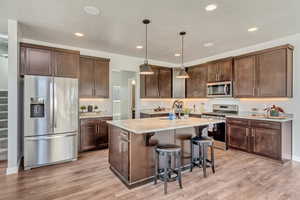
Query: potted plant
96,108
186,112
274,111
82,108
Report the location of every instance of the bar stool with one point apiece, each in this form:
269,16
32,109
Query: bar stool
183,139
203,142
165,174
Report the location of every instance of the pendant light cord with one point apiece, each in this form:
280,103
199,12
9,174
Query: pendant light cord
146,43
182,51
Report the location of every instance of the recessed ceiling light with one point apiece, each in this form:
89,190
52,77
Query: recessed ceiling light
211,7
209,44
253,29
79,34
91,10
139,46
177,54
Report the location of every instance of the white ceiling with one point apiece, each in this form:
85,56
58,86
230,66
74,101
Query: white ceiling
118,28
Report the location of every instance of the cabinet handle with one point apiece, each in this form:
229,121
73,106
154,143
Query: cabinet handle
253,91
247,132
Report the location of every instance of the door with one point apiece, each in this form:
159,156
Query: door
196,84
151,81
101,76
65,97
38,62
244,77
212,72
165,83
238,136
272,74
266,142
38,105
66,64
225,70
88,135
44,150
86,80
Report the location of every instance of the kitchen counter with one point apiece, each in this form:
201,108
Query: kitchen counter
248,115
150,125
93,115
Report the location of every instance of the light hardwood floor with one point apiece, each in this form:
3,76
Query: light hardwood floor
239,176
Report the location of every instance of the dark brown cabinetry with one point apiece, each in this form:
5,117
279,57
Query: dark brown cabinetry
94,77
48,61
93,133
271,139
267,73
158,85
196,84
220,70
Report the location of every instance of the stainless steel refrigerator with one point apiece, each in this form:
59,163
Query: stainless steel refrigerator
50,120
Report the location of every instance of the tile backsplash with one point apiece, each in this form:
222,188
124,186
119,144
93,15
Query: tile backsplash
104,105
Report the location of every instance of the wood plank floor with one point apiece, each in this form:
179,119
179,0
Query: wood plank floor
239,176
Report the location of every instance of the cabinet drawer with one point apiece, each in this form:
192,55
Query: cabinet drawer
264,124
242,122
88,122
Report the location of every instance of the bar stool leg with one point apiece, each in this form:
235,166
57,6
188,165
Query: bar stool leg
166,175
204,158
200,155
178,158
212,157
192,157
156,160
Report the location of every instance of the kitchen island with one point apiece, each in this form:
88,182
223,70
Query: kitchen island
132,143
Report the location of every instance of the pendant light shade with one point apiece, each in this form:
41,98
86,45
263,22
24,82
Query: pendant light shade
145,69
182,73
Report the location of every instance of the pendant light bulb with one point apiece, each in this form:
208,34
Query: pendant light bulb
145,69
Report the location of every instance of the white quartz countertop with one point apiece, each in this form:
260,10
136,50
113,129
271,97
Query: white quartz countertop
93,115
157,124
248,115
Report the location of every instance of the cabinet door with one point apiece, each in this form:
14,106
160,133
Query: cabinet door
272,74
101,76
225,70
86,80
165,83
38,62
238,136
66,65
212,73
244,77
196,84
88,131
151,82
22,60
266,142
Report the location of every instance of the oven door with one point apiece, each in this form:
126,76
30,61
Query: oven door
219,136
222,89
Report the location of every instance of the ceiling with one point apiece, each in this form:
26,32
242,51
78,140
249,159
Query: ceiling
118,28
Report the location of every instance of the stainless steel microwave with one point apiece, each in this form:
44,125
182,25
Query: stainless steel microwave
219,89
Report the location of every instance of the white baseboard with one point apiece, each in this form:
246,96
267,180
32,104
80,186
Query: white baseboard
296,158
13,170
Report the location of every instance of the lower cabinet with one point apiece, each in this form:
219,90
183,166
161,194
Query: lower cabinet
270,139
93,134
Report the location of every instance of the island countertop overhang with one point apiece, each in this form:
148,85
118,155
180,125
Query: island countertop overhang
158,124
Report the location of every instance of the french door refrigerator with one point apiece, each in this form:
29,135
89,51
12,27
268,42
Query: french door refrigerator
50,120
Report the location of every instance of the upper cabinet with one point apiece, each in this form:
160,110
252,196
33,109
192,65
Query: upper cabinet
157,85
196,84
48,61
267,73
220,70
94,77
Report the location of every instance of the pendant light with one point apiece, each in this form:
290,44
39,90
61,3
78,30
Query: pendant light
182,73
145,69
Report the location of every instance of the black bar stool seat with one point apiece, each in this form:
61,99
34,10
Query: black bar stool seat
167,173
203,143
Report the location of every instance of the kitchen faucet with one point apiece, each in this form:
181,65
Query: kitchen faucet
177,108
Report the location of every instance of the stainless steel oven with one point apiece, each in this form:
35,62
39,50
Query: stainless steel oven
219,89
